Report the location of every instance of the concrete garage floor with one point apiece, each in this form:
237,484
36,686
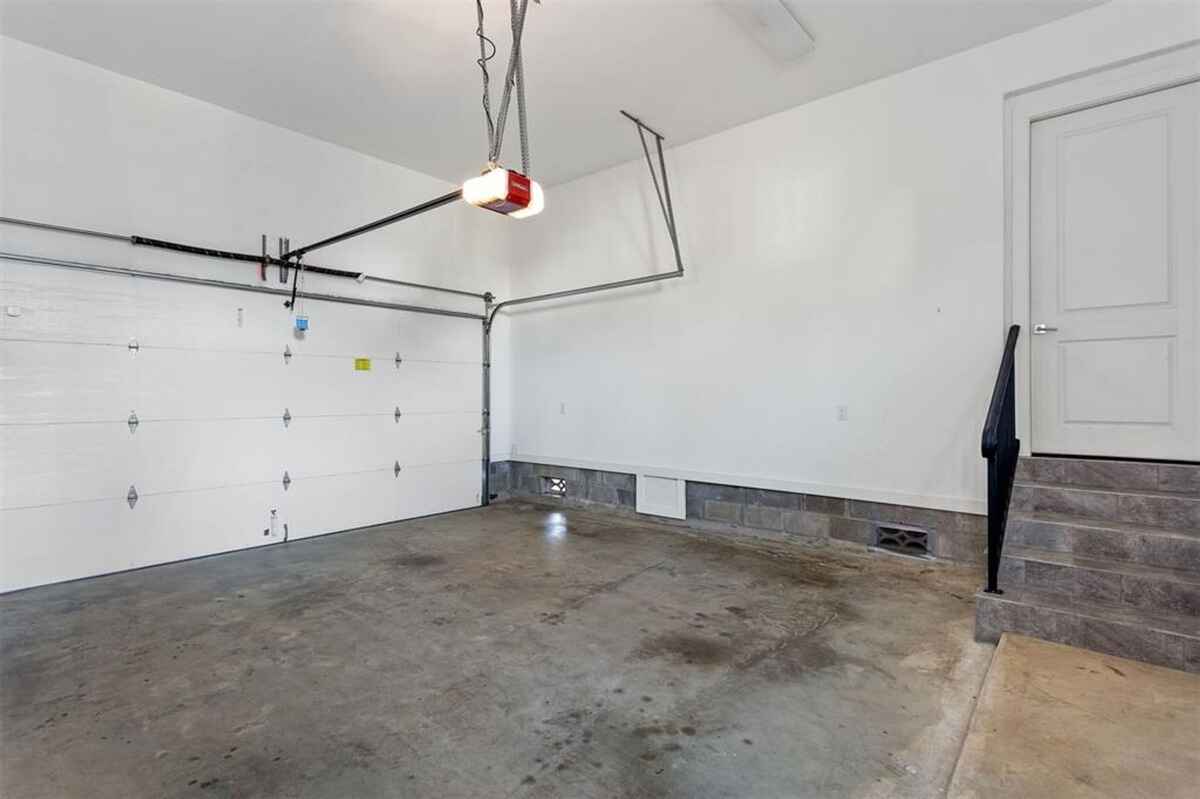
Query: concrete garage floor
507,651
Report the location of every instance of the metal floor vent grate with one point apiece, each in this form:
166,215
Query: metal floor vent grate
911,541
554,486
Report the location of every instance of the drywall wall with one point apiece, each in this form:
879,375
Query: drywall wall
847,254
81,146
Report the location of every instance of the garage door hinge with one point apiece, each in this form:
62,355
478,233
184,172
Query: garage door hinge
287,417
133,345
132,496
287,480
396,469
399,360
398,414
287,355
133,421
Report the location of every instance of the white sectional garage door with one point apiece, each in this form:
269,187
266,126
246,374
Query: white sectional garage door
204,371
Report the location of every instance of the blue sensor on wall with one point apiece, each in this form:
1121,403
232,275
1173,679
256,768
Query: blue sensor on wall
302,323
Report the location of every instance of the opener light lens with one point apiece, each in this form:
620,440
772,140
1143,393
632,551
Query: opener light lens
506,192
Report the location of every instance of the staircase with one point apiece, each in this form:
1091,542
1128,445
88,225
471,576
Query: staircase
1103,555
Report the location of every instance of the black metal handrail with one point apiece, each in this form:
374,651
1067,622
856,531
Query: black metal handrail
1001,448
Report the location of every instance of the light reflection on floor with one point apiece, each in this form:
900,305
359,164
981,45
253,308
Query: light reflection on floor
555,526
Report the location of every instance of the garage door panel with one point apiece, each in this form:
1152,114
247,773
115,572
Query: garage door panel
330,503
318,505
47,464
347,330
439,488
356,330
67,305
435,386
438,438
189,524
324,386
44,544
65,383
343,444
440,338
51,543
191,455
184,316
329,445
207,385
332,385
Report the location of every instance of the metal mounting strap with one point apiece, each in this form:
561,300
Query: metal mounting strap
287,417
514,60
133,421
132,496
662,189
287,480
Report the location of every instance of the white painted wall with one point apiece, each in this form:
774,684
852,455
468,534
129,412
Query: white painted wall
846,252
85,147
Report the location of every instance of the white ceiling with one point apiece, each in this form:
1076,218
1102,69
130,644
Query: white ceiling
397,78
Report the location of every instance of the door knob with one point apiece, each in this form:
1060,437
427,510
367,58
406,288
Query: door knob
1041,330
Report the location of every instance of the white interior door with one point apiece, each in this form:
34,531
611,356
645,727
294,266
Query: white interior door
1113,251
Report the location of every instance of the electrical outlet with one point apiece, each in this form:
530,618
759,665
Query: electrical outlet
843,413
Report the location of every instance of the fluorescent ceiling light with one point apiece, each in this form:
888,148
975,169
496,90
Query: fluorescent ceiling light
773,26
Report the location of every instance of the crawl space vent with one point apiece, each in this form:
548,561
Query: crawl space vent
911,541
554,486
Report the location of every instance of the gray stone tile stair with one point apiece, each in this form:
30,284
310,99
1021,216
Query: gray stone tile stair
1103,555
1162,639
1182,478
1106,540
1112,582
1149,508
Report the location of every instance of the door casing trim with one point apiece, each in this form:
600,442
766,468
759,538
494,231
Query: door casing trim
1156,71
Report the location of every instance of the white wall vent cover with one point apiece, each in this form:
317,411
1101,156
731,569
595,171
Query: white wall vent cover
661,496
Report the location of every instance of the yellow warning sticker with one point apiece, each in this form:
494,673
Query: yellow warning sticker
362,364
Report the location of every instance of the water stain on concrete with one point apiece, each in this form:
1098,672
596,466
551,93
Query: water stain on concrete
417,560
685,648
648,730
800,657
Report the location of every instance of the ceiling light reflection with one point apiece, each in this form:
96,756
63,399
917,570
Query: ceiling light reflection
556,526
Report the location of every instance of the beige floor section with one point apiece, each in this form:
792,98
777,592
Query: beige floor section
1056,721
